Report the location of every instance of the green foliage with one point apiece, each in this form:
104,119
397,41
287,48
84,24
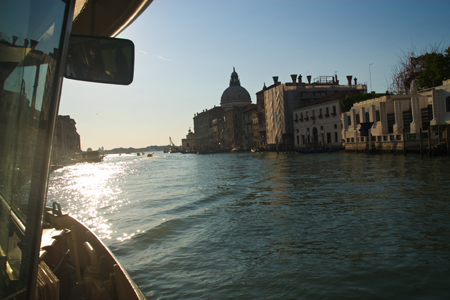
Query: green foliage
436,69
348,101
440,127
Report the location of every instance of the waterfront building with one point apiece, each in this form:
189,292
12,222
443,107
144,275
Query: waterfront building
439,97
390,115
259,138
395,121
317,124
222,128
66,143
281,99
206,129
188,144
248,117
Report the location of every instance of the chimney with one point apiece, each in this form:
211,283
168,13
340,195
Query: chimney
355,81
33,43
300,78
309,79
294,78
349,79
275,80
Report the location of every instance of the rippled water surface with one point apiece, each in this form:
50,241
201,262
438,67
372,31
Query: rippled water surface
268,226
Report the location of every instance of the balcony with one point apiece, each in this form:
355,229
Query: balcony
306,118
327,115
320,116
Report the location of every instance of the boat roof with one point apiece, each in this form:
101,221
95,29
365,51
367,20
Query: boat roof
106,18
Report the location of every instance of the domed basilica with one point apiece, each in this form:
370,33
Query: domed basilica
223,127
235,94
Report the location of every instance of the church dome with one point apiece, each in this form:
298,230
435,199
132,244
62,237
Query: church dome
235,94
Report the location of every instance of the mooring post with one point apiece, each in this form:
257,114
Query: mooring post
429,141
439,134
421,143
448,140
404,143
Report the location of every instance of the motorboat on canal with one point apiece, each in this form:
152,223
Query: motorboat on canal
45,254
92,156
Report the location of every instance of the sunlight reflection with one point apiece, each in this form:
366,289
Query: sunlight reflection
91,192
126,237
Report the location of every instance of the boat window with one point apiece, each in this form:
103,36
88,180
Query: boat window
29,51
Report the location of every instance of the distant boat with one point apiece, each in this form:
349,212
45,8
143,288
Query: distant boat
150,154
173,148
92,156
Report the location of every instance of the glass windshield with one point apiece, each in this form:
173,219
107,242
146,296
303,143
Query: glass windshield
30,33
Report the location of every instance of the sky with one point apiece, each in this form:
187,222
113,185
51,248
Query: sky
186,51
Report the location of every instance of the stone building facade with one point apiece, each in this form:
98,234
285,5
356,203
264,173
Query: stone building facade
397,120
317,124
248,118
389,114
280,100
188,144
208,129
440,102
260,137
66,142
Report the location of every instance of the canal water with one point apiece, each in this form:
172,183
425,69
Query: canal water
268,226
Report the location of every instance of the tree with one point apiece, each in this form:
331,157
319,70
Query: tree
412,64
437,69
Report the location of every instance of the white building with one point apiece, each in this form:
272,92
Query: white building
439,99
317,124
387,113
397,119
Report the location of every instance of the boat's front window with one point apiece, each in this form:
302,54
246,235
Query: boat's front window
30,33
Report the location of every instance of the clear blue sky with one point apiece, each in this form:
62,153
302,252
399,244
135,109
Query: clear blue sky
186,51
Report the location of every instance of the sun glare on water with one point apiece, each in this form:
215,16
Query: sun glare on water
90,192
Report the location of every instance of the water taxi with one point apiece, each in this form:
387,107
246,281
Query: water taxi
45,254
